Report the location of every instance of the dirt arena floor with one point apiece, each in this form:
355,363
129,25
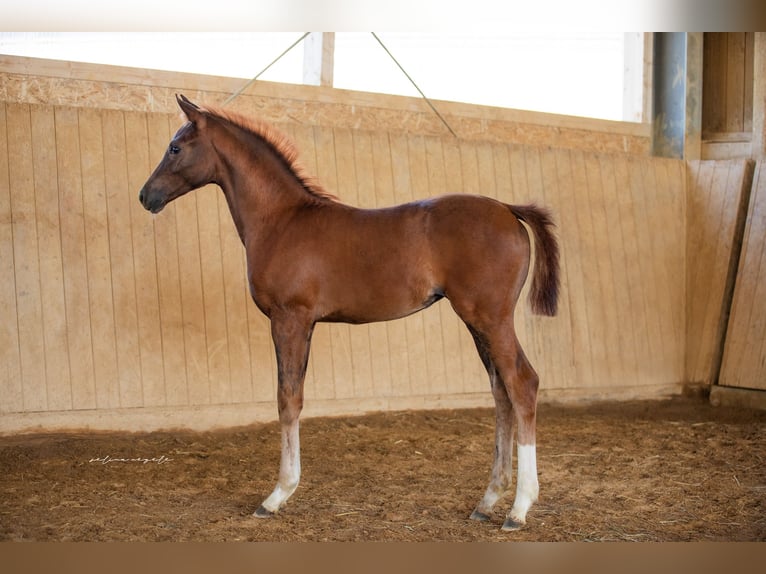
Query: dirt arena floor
640,471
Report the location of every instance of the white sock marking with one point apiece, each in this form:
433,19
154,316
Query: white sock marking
289,469
527,487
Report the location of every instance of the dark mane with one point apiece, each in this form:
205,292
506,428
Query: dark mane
282,146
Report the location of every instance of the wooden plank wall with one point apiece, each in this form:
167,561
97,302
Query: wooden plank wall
744,359
113,318
717,194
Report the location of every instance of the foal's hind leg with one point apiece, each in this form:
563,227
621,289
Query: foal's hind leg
502,466
522,383
514,387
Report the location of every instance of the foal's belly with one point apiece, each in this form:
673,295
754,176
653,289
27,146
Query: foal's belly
379,305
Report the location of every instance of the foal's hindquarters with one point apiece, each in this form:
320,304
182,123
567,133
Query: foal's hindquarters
484,275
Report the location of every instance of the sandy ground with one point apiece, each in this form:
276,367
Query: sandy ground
638,471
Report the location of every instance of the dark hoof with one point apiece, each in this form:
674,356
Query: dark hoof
262,513
479,516
510,525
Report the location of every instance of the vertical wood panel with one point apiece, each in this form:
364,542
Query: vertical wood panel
649,276
56,357
74,252
572,250
11,399
492,183
145,264
25,257
625,336
506,165
744,359
629,221
601,244
121,257
715,193
590,263
653,244
100,284
675,186
699,186
469,167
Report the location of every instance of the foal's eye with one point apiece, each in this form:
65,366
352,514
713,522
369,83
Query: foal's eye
174,149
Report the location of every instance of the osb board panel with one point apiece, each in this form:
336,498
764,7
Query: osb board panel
113,309
744,359
37,81
717,193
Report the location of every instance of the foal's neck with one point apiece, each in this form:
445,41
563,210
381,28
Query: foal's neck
260,188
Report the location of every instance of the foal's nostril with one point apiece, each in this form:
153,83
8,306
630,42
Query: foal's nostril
141,197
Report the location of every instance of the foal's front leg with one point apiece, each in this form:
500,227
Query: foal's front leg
292,339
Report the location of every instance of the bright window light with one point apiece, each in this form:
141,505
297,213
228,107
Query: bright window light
580,74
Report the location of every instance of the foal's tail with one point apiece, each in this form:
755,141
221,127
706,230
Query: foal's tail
544,293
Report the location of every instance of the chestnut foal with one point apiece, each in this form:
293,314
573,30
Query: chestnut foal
312,258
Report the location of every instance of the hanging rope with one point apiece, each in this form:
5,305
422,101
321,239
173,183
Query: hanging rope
414,84
259,74
299,40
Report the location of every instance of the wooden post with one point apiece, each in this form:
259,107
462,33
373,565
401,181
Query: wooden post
318,56
759,97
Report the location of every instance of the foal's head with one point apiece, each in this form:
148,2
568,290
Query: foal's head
188,163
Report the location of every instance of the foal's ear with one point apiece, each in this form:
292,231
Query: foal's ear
192,111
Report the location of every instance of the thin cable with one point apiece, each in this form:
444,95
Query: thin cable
414,84
259,74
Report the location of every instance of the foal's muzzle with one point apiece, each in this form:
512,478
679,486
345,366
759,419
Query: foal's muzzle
152,201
